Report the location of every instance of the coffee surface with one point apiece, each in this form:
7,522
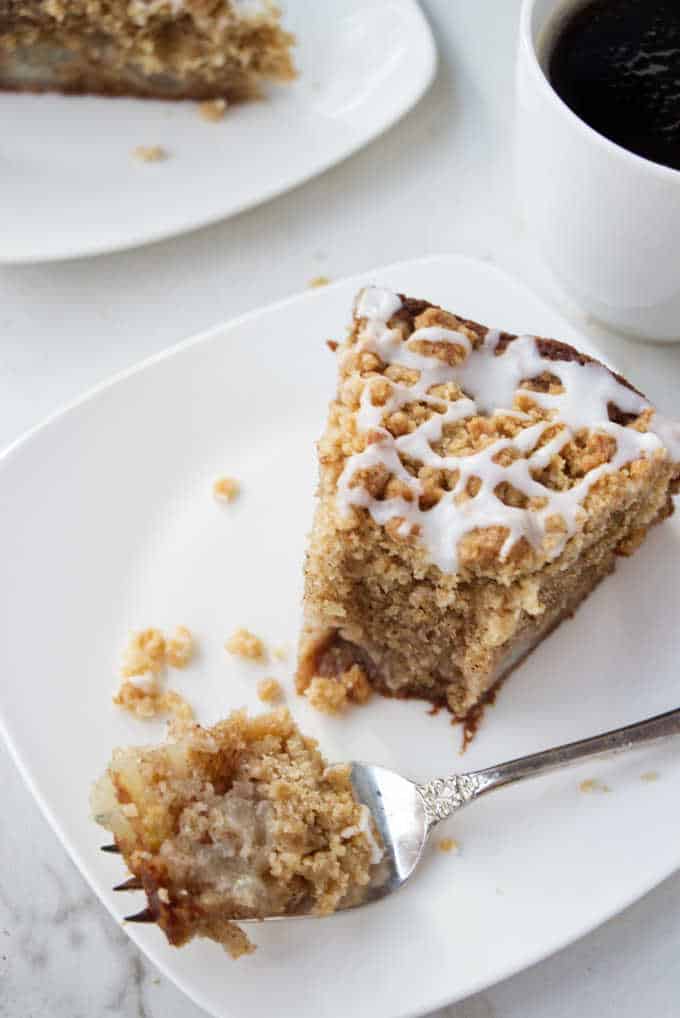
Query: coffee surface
616,64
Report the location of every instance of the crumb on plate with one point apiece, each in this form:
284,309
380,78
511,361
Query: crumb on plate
318,281
649,776
448,845
212,110
326,695
331,695
145,652
144,660
269,690
150,701
226,489
593,785
332,345
150,153
245,644
179,647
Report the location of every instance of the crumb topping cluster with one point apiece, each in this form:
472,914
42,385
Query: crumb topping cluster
150,153
472,444
331,694
243,643
226,489
240,820
145,659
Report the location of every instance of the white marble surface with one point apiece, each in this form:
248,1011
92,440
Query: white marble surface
440,181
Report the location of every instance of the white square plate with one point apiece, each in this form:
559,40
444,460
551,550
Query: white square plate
70,185
108,524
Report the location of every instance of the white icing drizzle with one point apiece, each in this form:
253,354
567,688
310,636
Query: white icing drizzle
491,383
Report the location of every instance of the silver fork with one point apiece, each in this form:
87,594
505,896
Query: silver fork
405,813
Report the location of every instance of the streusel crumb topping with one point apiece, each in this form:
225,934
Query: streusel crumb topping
212,110
144,653
150,153
475,447
332,694
269,690
179,647
151,701
245,644
226,489
145,658
241,820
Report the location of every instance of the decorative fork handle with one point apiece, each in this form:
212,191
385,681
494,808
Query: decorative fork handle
444,796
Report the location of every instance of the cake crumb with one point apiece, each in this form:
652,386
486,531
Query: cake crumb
356,684
212,110
144,661
226,489
269,690
649,776
331,695
179,648
172,703
318,281
245,644
401,448
326,695
150,153
593,785
144,653
146,702
282,652
448,845
332,345
258,782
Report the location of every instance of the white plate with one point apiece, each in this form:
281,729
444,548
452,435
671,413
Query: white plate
71,187
108,524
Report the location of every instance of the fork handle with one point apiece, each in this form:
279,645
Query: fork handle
445,796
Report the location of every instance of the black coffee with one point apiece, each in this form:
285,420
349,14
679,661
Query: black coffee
616,64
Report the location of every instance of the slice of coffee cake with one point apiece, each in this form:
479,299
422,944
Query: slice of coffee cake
168,49
474,487
238,821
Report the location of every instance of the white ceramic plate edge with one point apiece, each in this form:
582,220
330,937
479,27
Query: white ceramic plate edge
428,54
500,971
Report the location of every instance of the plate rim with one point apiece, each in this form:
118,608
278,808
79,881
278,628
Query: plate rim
430,60
502,971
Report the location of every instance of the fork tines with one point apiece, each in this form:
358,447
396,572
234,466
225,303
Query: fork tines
145,916
131,884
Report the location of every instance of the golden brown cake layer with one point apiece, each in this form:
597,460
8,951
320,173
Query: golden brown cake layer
196,49
241,820
453,533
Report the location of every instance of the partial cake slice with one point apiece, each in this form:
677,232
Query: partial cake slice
169,49
474,487
241,820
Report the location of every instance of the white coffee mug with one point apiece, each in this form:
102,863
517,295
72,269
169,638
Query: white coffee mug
606,221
